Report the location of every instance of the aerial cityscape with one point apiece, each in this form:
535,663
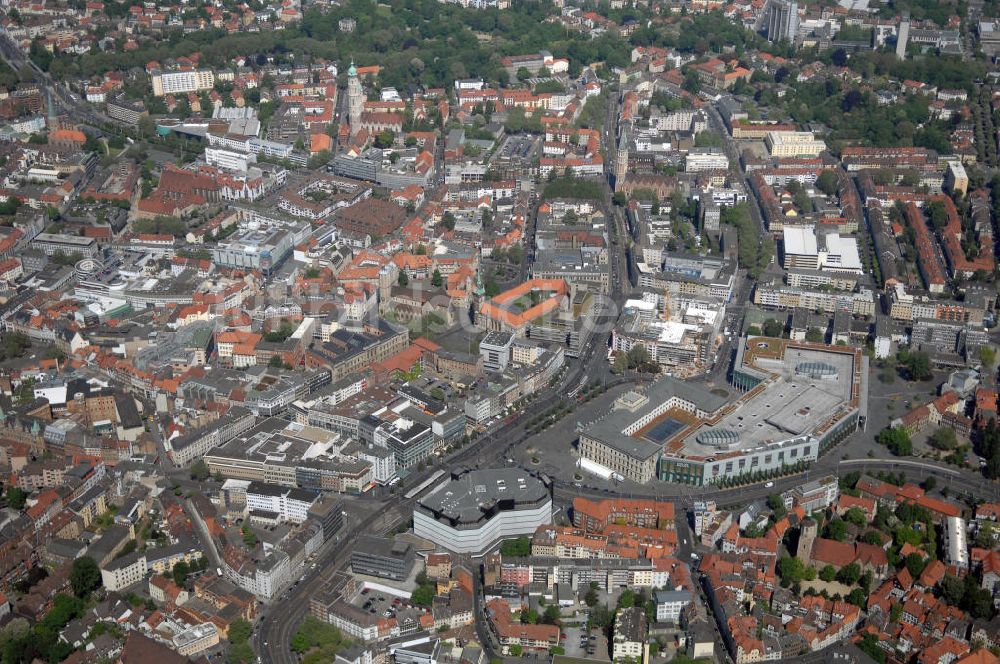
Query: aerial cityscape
488,331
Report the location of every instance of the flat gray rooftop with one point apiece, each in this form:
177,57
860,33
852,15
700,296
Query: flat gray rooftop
811,385
467,497
632,406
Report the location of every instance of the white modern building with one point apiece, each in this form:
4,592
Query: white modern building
670,604
289,503
706,159
831,252
229,160
471,512
495,348
178,82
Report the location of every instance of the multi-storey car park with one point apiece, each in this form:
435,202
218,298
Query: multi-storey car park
797,400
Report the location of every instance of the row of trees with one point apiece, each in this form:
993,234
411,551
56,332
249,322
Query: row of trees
754,253
761,475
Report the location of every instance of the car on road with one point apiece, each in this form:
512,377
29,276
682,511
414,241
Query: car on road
768,485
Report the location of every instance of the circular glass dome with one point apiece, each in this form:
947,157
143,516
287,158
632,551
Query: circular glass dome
718,437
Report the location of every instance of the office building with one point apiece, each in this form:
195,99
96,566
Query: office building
830,252
782,20
903,36
670,604
471,512
328,512
69,245
256,249
495,349
706,159
409,441
384,558
288,503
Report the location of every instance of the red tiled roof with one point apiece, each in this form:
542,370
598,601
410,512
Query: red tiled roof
832,552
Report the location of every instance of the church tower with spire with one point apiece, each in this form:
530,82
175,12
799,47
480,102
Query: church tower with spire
355,100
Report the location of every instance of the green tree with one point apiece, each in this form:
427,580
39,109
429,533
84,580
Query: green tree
84,576
791,570
299,642
858,598
199,469
988,355
16,498
827,182
403,279
423,595
777,505
241,652
773,328
180,572
872,537
915,563
836,529
590,599
857,517
897,440
240,630
802,201
870,644
551,615
943,439
249,536
436,279
708,139
849,574
828,573
917,365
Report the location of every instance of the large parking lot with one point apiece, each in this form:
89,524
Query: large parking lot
379,603
586,644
